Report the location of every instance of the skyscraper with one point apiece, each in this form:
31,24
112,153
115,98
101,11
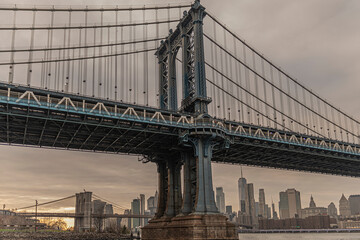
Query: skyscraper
354,201
142,209
220,199
344,207
332,210
290,204
241,190
250,203
262,210
135,209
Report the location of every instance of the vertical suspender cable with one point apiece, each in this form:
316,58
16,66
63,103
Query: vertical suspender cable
290,112
129,63
63,62
238,92
282,122
247,87
72,70
100,53
273,95
84,80
116,57
214,95
305,113
11,71
228,87
80,64
135,58
29,71
93,67
218,94
223,85
68,56
157,89
146,77
265,92
48,81
256,88
108,77
297,108
122,69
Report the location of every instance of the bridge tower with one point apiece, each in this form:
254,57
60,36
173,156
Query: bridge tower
83,210
193,214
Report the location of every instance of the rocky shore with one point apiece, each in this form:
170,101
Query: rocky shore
15,235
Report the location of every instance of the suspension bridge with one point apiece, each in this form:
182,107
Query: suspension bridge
170,83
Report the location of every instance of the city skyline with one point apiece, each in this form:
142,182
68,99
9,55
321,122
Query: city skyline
28,174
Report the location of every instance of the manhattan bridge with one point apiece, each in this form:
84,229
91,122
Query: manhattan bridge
169,83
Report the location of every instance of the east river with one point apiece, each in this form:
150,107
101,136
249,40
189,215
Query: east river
300,236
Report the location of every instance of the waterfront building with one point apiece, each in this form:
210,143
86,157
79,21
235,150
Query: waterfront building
332,210
354,201
312,210
344,207
290,204
220,199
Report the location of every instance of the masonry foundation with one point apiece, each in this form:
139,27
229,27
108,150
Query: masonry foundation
191,227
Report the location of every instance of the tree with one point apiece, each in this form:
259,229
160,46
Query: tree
58,224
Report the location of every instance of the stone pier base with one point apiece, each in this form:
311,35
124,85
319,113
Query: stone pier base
191,227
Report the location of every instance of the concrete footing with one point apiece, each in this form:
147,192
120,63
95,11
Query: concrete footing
191,227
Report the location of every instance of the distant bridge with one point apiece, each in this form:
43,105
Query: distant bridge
77,215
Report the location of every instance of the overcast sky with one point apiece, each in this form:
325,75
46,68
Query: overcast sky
316,41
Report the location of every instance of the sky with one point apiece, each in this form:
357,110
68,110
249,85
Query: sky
316,41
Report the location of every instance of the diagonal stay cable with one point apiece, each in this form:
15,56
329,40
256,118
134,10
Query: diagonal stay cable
46,203
87,9
279,89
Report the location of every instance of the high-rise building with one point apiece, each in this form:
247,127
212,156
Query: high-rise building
220,199
250,204
274,213
262,209
151,205
344,207
142,209
290,204
332,210
241,190
135,209
354,201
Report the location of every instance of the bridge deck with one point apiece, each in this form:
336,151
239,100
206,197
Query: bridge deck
42,118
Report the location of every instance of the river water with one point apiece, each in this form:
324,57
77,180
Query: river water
300,236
